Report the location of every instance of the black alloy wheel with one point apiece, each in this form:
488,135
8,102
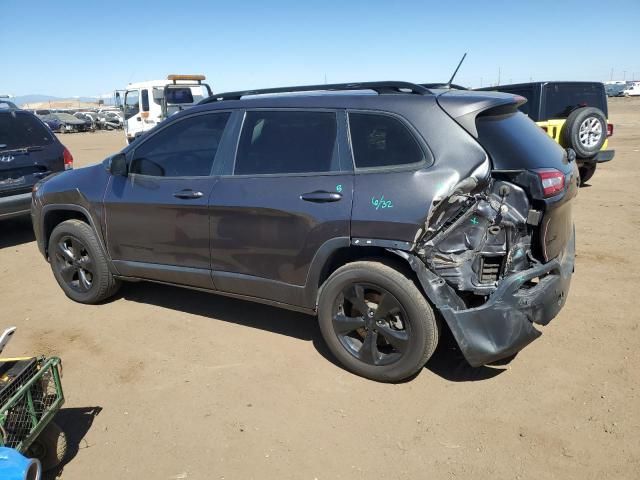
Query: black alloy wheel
74,263
371,324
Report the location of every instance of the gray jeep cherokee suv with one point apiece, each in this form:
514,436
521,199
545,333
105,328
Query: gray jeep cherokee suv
385,209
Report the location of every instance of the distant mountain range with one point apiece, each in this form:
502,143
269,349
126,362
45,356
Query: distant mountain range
35,98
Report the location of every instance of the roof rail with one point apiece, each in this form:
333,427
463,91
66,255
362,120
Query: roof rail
379,87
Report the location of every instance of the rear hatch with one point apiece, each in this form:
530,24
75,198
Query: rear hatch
523,154
29,152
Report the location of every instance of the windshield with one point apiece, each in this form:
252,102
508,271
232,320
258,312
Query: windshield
21,129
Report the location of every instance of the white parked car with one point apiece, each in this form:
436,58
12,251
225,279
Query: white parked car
632,90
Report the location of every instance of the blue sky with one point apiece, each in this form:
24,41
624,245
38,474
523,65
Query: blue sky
67,48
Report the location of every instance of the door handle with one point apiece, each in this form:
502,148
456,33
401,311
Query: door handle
187,194
321,196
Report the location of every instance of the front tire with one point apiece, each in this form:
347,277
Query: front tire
376,321
79,263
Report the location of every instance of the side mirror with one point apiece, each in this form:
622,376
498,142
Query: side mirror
117,165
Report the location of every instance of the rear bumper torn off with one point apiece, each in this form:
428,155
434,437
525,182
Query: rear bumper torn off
504,324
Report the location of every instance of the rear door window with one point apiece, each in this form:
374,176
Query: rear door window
563,98
282,142
382,141
22,129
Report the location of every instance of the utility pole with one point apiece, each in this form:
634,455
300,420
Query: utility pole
611,77
624,75
499,71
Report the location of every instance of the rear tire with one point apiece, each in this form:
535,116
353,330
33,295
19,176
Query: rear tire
79,263
586,172
387,331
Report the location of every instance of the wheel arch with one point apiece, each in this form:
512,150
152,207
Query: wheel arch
53,215
323,267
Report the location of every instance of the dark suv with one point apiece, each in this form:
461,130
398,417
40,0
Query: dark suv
29,151
574,114
383,209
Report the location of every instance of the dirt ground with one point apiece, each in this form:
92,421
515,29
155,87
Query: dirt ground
166,383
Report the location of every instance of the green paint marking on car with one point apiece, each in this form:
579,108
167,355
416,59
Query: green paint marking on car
379,203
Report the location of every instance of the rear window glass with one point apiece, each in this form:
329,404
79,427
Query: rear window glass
515,142
562,99
179,95
21,129
287,142
382,141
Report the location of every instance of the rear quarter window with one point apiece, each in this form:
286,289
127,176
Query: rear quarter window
22,129
382,141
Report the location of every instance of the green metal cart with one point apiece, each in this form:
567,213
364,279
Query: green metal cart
30,396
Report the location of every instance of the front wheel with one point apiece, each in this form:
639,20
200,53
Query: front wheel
376,321
79,263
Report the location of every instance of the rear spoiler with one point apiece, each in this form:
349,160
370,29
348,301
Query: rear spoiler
465,106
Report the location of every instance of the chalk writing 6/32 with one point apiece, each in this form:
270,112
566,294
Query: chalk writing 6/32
379,203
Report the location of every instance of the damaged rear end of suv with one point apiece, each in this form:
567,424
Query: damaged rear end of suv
385,210
497,252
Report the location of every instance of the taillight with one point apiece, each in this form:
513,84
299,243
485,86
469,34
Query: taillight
68,159
552,181
544,128
609,129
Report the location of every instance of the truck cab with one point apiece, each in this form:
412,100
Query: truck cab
145,104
